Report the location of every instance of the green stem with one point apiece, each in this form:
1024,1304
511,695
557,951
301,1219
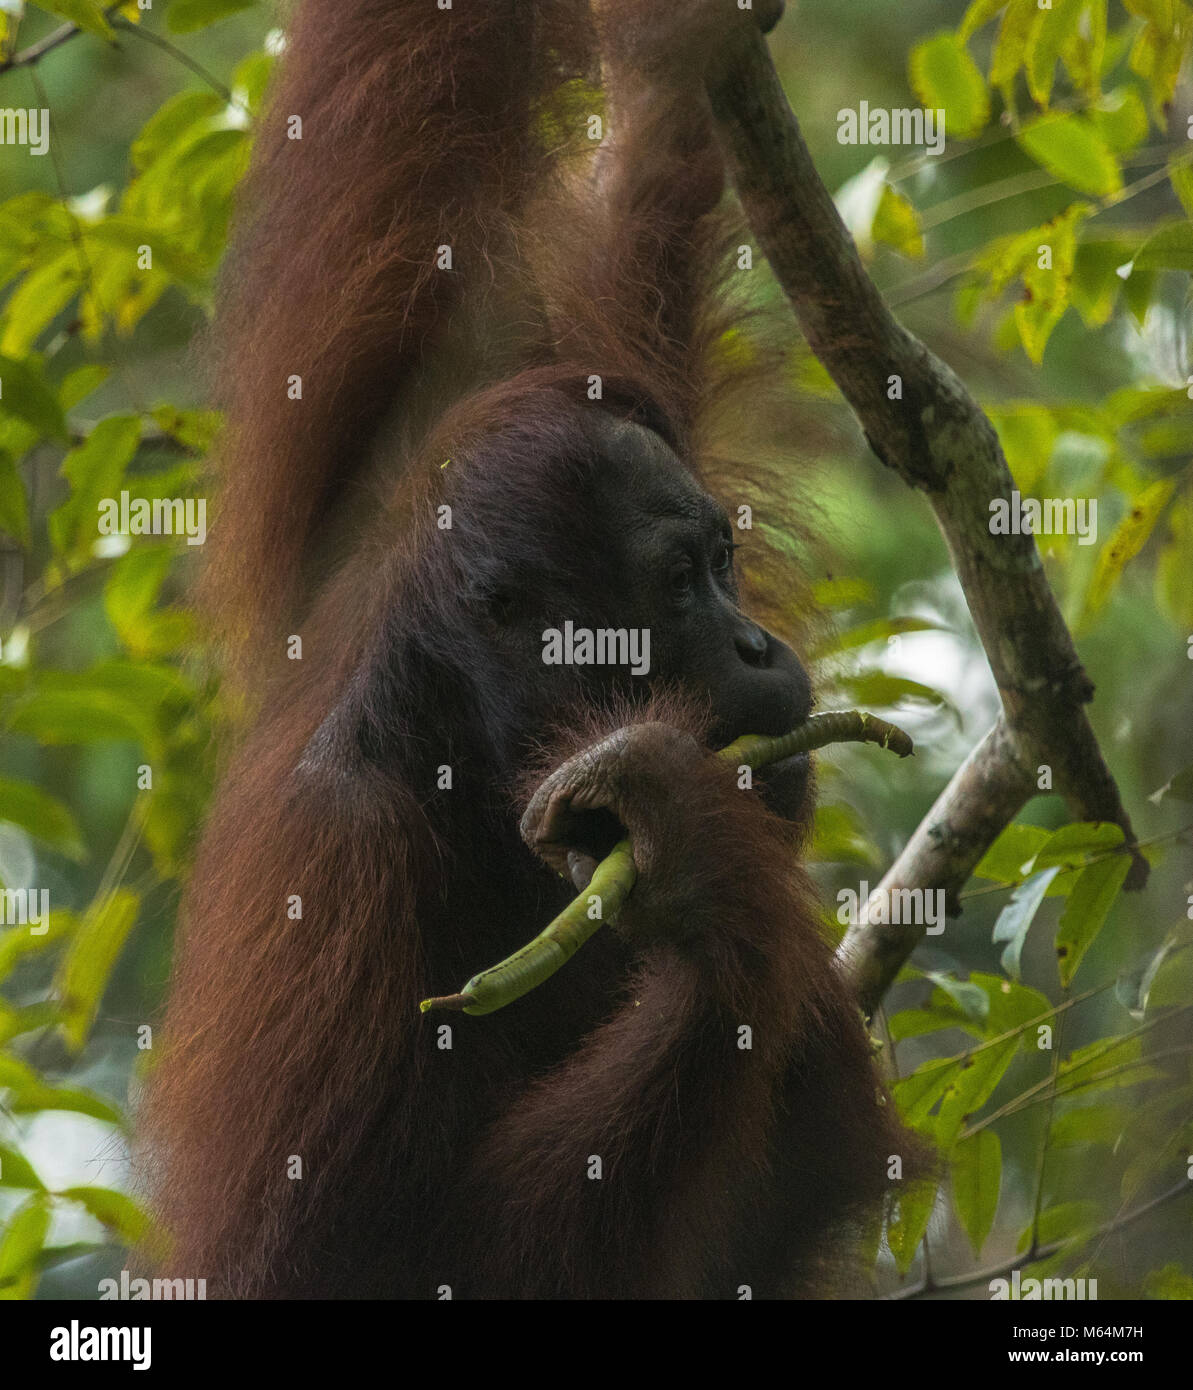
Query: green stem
617,873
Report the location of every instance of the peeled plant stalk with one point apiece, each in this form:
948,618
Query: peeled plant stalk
616,874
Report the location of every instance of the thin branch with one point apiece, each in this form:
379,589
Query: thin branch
181,56
27,57
986,792
922,422
1041,1252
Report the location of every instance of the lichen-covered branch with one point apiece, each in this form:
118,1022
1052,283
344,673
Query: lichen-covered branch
936,437
986,793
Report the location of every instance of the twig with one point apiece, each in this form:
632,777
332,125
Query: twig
27,57
177,53
935,436
1040,1252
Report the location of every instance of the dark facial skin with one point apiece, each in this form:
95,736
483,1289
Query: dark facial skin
667,549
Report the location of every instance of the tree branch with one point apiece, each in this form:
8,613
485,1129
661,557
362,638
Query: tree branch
988,790
936,437
27,57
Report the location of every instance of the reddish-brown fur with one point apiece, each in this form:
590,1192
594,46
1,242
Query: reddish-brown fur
424,1167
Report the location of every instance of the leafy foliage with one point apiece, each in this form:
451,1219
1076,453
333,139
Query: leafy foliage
1053,1111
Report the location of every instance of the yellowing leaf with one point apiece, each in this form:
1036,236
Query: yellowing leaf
87,14
896,223
980,13
1049,33
1010,47
944,76
1073,151
1129,538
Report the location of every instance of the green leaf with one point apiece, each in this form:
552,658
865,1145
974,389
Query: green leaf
1015,920
1129,538
39,298
839,837
178,116
1087,55
131,590
979,13
1174,593
1121,119
14,1022
1085,1063
970,1087
1172,984
1073,151
116,1210
918,1093
843,593
1071,845
878,688
42,815
1096,283
196,429
970,998
185,16
915,1023
250,81
1180,175
1028,436
1089,904
1012,1006
79,384
1065,1221
879,630
1050,32
913,1206
59,716
83,973
1171,1282
17,943
14,504
17,1171
1171,248
23,1239
1158,55
1047,273
977,1180
1010,856
95,470
26,395
897,224
1091,1124
1010,47
87,14
944,76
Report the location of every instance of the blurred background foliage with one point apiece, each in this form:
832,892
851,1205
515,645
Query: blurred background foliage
1071,127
